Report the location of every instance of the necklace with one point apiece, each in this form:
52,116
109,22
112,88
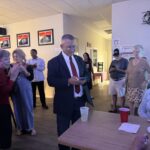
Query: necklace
136,61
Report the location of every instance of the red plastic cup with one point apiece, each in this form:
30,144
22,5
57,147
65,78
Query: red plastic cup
124,113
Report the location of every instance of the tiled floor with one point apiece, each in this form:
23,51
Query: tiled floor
45,123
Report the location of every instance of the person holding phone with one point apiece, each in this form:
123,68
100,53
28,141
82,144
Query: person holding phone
38,66
22,97
117,73
64,72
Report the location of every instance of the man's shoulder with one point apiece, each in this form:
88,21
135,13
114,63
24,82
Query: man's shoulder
54,59
40,59
78,57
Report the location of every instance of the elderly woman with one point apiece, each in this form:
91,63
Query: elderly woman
136,81
6,84
22,95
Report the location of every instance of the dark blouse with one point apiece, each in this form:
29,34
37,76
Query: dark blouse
5,87
89,66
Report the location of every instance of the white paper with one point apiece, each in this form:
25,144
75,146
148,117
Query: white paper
129,127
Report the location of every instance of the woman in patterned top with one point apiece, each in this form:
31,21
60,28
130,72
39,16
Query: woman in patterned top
136,81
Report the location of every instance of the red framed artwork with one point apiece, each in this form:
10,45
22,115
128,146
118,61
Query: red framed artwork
46,37
23,39
5,42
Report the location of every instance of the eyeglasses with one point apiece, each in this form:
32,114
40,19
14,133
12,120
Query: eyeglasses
71,46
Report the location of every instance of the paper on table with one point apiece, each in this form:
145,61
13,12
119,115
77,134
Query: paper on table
129,127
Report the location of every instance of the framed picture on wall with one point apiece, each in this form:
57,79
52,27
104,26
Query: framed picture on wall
23,39
94,56
5,42
46,37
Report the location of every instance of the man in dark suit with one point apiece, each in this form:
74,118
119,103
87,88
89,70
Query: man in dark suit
64,72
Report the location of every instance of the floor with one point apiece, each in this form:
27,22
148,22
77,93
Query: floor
45,123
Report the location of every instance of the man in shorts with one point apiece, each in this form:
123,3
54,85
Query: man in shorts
117,72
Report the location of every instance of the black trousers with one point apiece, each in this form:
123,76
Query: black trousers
63,122
40,86
5,126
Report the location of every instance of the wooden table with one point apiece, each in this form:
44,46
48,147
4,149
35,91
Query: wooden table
101,132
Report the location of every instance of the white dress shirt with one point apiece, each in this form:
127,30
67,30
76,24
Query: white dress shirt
67,60
38,71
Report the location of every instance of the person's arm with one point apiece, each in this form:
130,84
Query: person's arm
5,84
30,71
41,65
111,68
24,70
53,78
125,67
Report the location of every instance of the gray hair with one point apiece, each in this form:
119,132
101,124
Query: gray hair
4,53
139,47
67,36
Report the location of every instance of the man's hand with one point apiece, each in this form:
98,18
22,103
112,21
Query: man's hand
76,81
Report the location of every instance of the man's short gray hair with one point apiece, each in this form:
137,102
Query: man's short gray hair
139,47
4,53
67,36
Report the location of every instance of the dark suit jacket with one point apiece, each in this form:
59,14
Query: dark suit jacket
58,75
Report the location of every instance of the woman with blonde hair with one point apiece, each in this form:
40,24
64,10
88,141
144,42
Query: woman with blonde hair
22,95
136,82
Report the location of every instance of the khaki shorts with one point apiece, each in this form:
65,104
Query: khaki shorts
117,87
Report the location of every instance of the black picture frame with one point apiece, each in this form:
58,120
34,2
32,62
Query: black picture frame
45,37
23,39
5,42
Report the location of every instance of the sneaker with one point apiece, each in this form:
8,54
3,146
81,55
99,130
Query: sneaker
33,132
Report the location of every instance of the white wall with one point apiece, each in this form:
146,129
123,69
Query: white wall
32,26
61,24
127,24
84,35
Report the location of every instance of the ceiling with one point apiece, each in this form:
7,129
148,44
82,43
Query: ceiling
95,14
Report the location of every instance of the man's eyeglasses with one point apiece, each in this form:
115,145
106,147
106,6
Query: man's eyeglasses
72,47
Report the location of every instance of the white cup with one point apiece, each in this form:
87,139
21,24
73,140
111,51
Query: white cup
84,111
